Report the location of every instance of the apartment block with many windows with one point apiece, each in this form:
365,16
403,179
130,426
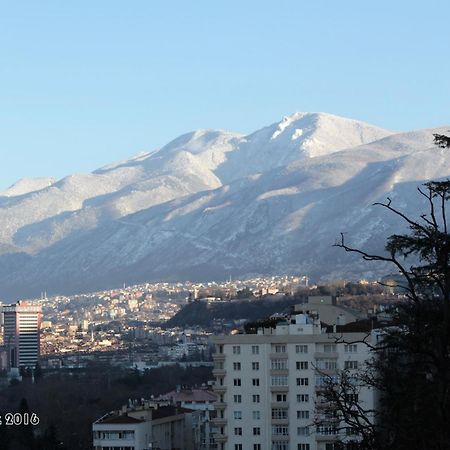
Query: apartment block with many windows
22,323
269,384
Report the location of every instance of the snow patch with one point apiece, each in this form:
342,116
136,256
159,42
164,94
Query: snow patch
282,126
297,133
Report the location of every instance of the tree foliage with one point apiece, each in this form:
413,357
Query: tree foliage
411,368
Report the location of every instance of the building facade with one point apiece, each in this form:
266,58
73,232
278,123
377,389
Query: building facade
269,385
21,332
147,426
201,400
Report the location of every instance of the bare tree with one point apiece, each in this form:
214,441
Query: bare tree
411,369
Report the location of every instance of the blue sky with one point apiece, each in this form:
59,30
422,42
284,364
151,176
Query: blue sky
86,83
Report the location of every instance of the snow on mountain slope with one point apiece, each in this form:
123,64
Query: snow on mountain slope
283,220
196,161
300,136
27,185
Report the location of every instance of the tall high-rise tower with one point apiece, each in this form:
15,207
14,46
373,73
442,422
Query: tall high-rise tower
22,323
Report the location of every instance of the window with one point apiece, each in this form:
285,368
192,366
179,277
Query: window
256,446
236,349
280,445
302,446
324,381
255,381
255,349
237,415
218,365
255,365
329,348
302,431
237,446
351,432
279,380
256,398
237,382
350,364
302,365
352,398
114,434
335,446
303,414
256,431
326,364
280,430
302,398
279,413
280,348
327,430
278,364
237,366
302,381
256,415
237,398
281,397
350,348
238,431
301,349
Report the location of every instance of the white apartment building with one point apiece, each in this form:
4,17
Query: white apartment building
269,384
150,426
201,400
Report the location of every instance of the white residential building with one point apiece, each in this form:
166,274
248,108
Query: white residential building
269,384
201,400
151,425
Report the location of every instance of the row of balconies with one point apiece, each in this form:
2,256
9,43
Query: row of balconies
283,355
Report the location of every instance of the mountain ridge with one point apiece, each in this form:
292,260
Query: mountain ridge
211,203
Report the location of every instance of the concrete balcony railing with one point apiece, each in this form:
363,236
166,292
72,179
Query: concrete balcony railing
279,372
279,388
280,437
278,355
220,389
219,372
326,355
220,437
220,405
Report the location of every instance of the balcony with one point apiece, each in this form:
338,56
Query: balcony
279,372
218,356
279,388
220,437
219,372
280,437
220,405
326,355
328,372
278,355
280,421
326,437
279,405
220,421
220,389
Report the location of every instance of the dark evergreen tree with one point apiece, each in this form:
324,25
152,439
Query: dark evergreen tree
411,366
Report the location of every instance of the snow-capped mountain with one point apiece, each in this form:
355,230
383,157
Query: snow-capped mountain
213,203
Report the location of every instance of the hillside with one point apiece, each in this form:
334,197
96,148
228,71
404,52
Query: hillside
213,203
203,314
